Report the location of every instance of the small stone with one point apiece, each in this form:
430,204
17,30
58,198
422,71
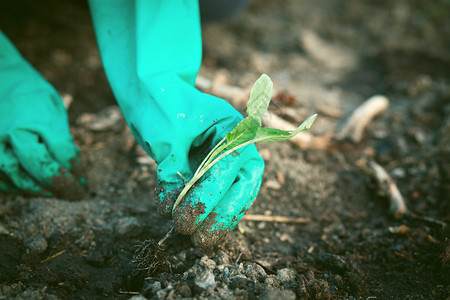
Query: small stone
171,295
277,295
399,173
155,286
226,272
285,237
184,290
138,297
318,289
128,226
238,281
272,184
272,282
3,230
286,275
400,230
206,262
38,245
161,294
222,258
6,290
205,279
255,272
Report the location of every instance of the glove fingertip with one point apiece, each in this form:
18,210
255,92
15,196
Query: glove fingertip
166,194
212,231
187,216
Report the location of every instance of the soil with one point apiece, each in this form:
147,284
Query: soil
323,56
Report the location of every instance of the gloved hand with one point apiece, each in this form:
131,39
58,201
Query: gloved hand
36,148
151,51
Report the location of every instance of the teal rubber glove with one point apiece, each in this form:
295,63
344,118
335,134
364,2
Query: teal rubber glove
36,148
151,51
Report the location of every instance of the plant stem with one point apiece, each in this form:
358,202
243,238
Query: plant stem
166,237
210,155
204,168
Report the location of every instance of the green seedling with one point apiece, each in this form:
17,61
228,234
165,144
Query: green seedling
247,132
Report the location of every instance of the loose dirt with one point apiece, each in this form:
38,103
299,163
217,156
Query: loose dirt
325,57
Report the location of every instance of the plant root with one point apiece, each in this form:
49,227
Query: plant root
389,188
150,259
361,117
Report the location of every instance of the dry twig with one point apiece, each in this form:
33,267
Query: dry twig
53,256
128,292
397,204
361,117
277,219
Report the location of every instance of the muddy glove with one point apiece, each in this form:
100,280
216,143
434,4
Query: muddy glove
36,148
151,51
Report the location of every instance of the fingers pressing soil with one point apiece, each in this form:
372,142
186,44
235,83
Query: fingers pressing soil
207,237
186,215
165,200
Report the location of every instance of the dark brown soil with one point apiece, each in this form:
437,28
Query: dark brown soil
323,56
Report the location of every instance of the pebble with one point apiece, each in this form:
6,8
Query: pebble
286,275
226,272
206,262
3,230
138,297
222,258
155,286
277,295
184,290
272,184
399,173
255,272
161,294
128,226
318,289
272,282
238,281
205,279
38,245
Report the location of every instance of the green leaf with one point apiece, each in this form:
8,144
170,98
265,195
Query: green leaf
243,132
260,97
267,134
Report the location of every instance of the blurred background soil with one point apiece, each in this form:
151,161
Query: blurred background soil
324,57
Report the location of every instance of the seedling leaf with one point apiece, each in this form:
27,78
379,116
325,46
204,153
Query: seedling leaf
260,98
246,132
243,132
267,134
